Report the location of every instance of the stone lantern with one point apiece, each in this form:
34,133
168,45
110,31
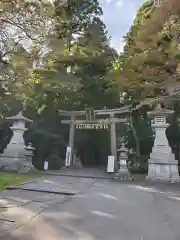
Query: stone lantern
14,156
162,164
29,154
123,172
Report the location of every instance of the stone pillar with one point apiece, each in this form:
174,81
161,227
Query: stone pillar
123,172
162,164
71,137
113,137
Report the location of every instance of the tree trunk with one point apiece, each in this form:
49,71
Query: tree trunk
138,153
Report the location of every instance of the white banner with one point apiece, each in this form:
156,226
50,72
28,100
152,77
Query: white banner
68,156
46,165
110,166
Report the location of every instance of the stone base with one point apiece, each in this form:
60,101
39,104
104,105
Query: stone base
15,161
162,157
77,164
27,169
16,167
123,175
165,180
163,172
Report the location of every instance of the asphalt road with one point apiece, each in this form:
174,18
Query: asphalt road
100,210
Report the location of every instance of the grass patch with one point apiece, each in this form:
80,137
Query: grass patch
140,176
14,178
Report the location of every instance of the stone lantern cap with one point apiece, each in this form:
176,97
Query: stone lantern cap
30,147
159,111
19,117
123,148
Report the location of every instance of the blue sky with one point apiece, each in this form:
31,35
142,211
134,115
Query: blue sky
118,17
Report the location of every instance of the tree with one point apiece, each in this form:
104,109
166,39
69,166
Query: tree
23,24
150,59
74,17
48,86
151,54
95,57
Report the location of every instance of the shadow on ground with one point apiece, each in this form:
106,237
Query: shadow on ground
102,210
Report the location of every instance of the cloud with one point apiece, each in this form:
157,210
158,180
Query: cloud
119,3
118,17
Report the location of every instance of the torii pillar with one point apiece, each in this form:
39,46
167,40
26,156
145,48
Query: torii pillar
71,137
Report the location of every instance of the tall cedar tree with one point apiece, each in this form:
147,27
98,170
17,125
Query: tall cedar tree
151,53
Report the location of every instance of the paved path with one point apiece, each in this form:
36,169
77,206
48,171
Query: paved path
59,185
99,210
100,173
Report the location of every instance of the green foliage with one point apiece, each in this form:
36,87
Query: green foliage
74,17
147,68
43,84
94,47
14,178
68,64
151,52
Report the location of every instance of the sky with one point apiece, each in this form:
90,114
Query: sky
118,17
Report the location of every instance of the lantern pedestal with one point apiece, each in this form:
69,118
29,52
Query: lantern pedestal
162,165
77,164
14,157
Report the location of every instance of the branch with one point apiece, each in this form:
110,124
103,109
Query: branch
159,99
10,51
21,28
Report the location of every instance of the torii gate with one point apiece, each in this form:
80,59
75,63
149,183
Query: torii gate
94,123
